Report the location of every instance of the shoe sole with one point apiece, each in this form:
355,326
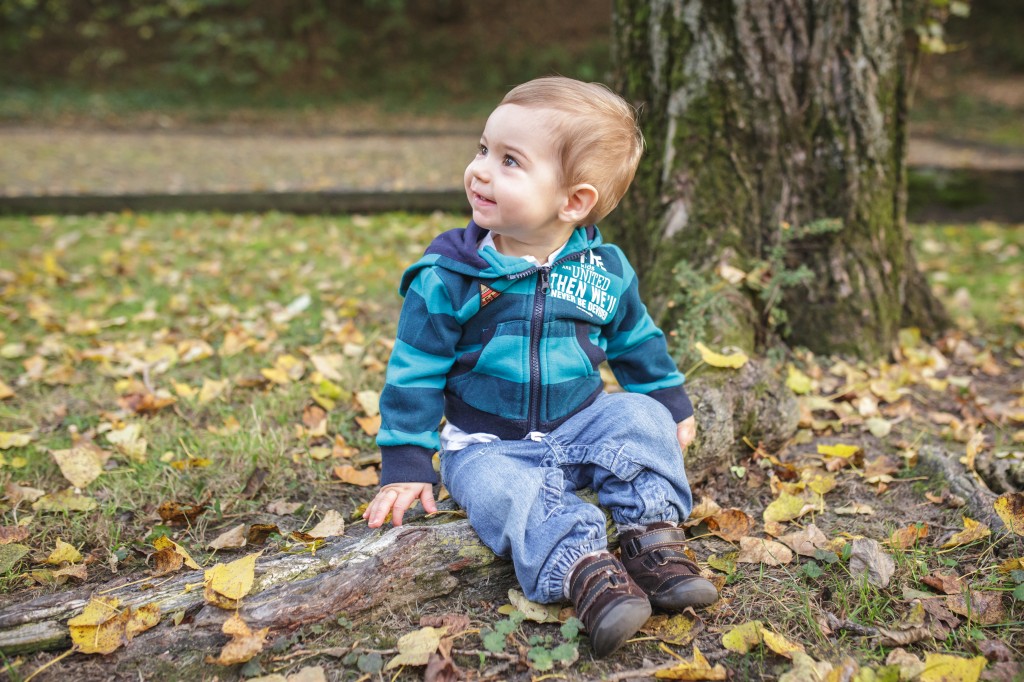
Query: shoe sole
695,593
621,622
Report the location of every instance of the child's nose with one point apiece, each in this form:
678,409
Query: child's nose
478,169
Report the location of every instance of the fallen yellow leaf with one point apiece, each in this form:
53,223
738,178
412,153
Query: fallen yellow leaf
743,637
226,584
779,644
64,553
164,542
14,439
414,648
797,381
678,629
212,389
1010,508
81,464
947,668
101,627
838,450
5,391
786,507
696,669
972,531
734,360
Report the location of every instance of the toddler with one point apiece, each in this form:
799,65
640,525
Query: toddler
504,326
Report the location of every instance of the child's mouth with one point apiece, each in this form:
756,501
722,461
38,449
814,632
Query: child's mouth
482,200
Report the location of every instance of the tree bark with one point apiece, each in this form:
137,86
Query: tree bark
366,572
776,140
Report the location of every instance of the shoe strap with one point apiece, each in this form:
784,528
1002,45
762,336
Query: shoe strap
667,555
594,580
653,539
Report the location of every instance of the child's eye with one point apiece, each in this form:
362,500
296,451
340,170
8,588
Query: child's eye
509,161
481,150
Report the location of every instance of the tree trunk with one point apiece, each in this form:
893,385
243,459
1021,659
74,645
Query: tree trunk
776,143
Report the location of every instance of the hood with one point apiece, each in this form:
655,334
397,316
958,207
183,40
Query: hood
456,250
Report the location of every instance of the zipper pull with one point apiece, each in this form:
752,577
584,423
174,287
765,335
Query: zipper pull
545,281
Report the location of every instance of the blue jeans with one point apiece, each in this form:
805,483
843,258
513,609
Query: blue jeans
519,495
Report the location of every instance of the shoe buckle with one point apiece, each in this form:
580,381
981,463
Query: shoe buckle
615,580
633,547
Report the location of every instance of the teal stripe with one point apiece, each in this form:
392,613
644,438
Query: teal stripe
426,439
507,357
412,368
626,341
433,292
672,380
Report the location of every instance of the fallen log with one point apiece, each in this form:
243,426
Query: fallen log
368,572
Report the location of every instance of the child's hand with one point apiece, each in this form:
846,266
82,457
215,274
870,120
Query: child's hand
686,431
397,498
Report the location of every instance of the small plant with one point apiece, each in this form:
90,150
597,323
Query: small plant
545,651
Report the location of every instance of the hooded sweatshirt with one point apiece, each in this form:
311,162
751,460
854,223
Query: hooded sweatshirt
502,346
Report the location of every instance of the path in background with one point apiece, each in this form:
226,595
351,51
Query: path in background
59,161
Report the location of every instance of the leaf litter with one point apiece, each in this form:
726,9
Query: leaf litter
307,344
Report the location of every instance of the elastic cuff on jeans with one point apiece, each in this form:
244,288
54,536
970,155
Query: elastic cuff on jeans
568,574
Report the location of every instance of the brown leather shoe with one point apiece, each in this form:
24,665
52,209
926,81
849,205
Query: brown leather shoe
654,559
610,605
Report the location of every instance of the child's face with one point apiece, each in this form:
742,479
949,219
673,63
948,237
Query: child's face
513,183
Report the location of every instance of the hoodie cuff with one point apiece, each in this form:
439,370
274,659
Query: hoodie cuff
407,464
676,400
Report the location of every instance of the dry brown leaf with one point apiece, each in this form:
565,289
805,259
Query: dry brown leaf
730,524
905,538
283,507
706,507
16,494
164,542
177,512
166,561
945,583
761,551
244,643
9,534
77,571
984,608
331,525
347,473
146,403
868,558
259,532
232,538
369,425
806,541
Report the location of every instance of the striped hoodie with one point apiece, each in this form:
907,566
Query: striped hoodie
498,345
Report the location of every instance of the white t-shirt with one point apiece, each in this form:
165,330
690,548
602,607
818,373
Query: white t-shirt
452,437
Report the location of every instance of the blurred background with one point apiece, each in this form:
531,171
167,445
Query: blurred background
177,96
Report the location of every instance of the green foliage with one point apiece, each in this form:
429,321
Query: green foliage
198,42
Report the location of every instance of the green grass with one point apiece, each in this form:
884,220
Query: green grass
139,289
978,272
199,277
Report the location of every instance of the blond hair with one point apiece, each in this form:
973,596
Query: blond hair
599,140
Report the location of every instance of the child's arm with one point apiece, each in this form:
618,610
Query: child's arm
397,498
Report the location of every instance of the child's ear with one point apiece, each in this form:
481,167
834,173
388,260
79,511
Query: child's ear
579,202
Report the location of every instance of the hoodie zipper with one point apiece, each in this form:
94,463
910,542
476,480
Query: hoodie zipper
536,331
